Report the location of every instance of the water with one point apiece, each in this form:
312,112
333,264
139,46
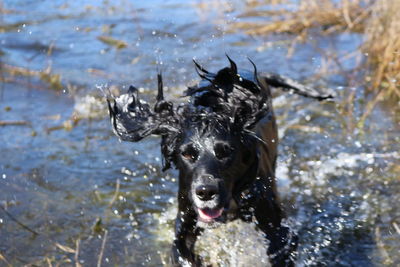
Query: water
339,183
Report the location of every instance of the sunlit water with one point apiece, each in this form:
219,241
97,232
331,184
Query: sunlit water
340,187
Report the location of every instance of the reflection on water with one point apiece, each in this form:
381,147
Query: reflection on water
74,184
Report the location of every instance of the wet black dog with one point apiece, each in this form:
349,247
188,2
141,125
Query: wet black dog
224,142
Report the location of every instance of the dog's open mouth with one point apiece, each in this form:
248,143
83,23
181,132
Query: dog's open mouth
208,215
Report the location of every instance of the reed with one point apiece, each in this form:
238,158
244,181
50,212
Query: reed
377,20
382,43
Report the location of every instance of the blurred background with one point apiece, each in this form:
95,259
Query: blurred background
71,194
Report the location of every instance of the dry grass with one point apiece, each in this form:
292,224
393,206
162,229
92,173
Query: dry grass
377,20
382,44
52,80
308,14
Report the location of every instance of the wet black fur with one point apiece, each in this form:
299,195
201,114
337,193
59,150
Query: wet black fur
223,142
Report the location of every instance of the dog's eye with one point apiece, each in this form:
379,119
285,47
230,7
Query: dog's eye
222,151
190,153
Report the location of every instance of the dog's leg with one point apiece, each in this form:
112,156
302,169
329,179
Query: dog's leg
282,242
282,246
186,233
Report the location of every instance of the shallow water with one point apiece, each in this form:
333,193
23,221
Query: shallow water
339,184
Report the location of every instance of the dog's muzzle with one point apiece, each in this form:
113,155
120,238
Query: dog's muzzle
208,202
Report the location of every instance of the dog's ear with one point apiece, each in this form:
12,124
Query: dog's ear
256,103
132,118
241,98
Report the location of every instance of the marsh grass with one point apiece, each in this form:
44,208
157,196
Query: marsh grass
382,43
377,20
50,79
309,14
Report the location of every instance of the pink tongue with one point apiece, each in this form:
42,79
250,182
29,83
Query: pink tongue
208,215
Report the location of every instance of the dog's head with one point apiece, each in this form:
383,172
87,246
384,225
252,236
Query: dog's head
209,139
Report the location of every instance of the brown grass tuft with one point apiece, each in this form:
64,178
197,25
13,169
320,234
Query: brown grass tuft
377,20
324,14
382,43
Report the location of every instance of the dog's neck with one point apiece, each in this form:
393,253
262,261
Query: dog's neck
247,181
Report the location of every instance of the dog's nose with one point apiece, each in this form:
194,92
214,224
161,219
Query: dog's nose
206,192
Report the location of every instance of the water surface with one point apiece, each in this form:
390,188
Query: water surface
339,184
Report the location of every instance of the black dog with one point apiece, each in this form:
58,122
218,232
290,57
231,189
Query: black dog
224,143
